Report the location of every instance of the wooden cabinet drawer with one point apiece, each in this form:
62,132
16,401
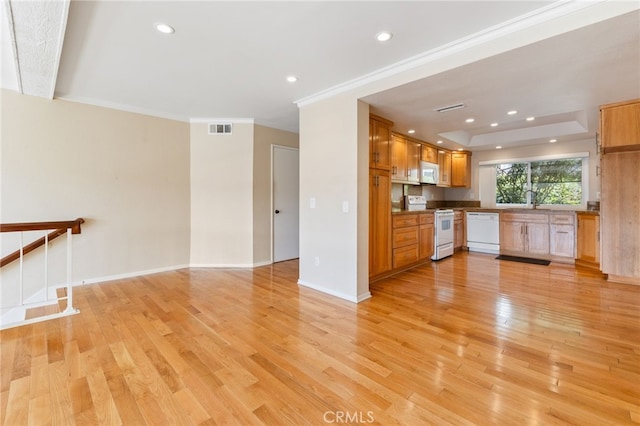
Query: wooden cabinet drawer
525,217
400,221
405,256
405,236
561,219
426,218
457,215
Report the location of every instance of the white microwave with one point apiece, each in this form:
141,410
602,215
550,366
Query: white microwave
429,173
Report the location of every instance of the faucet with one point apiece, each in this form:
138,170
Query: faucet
534,200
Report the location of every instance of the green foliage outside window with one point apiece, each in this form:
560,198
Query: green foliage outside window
552,181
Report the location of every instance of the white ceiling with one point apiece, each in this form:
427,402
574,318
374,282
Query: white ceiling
230,59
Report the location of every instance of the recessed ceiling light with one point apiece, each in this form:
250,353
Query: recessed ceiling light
553,140
499,147
530,118
512,112
470,120
292,79
494,124
384,36
411,131
460,149
438,141
165,28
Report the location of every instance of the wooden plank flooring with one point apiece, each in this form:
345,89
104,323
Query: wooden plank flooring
466,340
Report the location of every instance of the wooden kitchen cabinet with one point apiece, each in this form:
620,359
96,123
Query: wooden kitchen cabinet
380,260
524,234
425,249
620,126
619,199
406,235
562,235
588,240
444,164
429,154
458,230
398,158
379,143
461,169
414,151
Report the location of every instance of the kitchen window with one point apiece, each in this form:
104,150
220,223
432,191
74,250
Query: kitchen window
551,181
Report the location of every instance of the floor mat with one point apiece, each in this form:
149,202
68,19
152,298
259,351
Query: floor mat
524,259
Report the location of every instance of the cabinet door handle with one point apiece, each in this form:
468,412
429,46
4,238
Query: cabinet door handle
562,232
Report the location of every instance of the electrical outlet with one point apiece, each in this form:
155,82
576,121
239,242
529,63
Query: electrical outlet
345,207
317,261
312,203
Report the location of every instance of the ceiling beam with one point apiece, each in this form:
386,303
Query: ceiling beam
36,31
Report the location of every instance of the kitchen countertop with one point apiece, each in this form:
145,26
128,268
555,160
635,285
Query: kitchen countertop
494,210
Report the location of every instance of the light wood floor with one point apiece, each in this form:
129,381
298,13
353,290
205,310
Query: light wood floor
467,340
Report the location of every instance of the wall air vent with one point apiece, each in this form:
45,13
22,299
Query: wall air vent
220,128
449,108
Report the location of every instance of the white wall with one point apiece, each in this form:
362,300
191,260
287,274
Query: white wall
329,174
126,174
222,196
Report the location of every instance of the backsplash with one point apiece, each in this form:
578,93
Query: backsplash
434,195
452,203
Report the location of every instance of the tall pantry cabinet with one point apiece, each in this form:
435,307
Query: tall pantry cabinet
620,191
379,195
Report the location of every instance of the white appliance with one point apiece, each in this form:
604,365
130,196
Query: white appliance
483,232
415,203
428,172
443,234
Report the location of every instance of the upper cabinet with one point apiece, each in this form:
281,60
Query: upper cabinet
620,126
398,158
461,169
429,154
379,143
405,159
444,163
414,151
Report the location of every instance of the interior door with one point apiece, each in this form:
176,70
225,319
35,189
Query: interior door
286,176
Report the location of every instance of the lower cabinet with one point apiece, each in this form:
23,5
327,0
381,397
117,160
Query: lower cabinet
426,236
406,234
588,240
562,235
524,233
458,230
412,238
542,235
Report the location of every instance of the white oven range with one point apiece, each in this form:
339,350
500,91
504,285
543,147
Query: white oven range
443,234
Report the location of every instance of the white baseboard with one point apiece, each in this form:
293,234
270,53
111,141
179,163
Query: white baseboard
129,275
331,292
230,265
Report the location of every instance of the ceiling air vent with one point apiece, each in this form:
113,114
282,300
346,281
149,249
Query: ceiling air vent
220,128
449,108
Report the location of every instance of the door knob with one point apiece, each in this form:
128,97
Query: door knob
277,211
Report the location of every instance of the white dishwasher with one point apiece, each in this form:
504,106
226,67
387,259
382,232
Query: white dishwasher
483,232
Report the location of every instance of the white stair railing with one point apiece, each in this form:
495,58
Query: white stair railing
14,312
